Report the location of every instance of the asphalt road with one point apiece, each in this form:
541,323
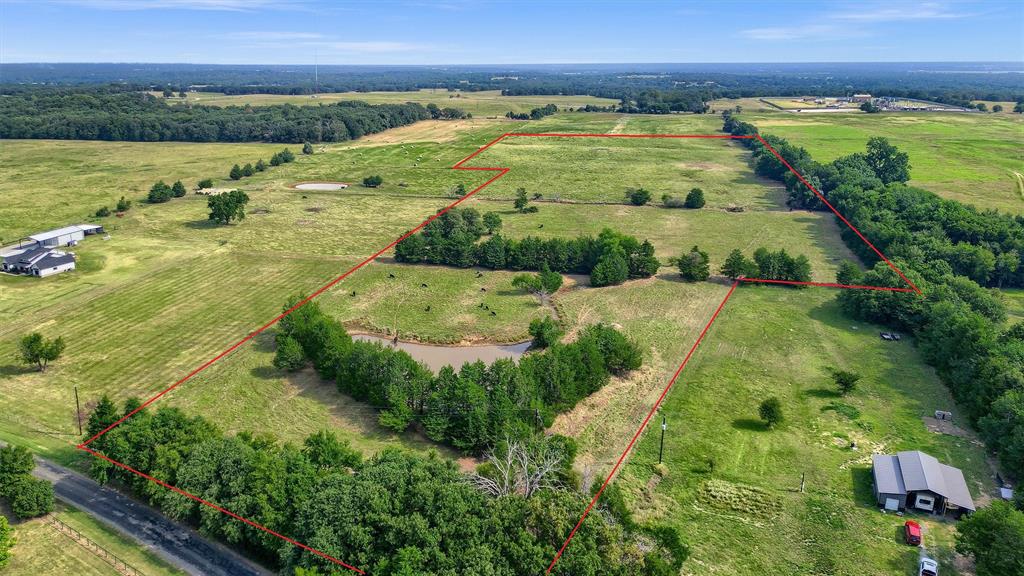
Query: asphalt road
177,544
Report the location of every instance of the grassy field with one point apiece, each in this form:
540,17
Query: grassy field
483,103
72,179
747,516
169,290
41,549
973,158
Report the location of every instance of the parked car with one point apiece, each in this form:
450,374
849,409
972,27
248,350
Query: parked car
928,567
912,533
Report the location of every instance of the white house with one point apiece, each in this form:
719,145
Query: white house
40,262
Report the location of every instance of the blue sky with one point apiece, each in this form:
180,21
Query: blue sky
464,32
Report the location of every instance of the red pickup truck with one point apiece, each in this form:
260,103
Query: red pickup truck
912,532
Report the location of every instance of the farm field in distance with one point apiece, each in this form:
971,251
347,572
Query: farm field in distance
170,290
482,103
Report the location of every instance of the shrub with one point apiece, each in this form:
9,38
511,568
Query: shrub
771,411
670,201
845,381
123,204
307,148
372,181
693,266
545,332
236,172
159,193
30,497
248,170
638,196
103,212
492,221
695,199
289,354
206,183
178,189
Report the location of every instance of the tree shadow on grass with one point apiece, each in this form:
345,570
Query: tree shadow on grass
267,372
16,369
749,424
823,393
862,495
205,224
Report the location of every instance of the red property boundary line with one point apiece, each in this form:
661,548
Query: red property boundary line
500,172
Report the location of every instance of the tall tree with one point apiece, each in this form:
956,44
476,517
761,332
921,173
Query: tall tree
738,266
227,207
889,164
35,349
693,265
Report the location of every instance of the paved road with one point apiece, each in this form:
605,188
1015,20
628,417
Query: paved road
177,544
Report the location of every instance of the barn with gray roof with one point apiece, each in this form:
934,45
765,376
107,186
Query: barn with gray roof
917,481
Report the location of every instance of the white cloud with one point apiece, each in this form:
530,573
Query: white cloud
809,32
898,13
372,47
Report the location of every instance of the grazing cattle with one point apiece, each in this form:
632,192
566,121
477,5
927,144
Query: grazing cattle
423,285
353,292
539,227
483,289
391,275
479,274
481,305
493,313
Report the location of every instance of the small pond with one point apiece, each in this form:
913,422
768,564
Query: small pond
437,357
321,186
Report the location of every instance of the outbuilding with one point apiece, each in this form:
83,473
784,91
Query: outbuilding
66,236
917,481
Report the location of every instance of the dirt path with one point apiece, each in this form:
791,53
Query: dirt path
1020,183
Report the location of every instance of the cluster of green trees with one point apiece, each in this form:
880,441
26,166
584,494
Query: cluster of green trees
472,408
535,114
951,252
396,513
161,192
901,221
227,207
283,157
6,541
446,113
452,239
994,536
27,496
95,114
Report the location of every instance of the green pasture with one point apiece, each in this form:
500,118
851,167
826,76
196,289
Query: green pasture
483,103
747,516
974,158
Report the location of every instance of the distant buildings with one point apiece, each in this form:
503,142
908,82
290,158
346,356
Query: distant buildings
914,480
861,98
37,255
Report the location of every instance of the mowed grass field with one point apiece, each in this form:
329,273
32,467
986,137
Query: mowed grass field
973,158
41,549
482,103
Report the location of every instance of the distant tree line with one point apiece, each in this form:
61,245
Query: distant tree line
93,114
951,252
395,513
472,408
452,239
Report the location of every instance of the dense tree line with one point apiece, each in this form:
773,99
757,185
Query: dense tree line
470,408
134,116
948,250
396,513
452,239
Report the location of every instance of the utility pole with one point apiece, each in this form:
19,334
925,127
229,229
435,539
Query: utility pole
661,450
78,411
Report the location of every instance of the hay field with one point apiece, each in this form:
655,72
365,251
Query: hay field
480,104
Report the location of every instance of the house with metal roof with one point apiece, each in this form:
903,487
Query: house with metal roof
917,481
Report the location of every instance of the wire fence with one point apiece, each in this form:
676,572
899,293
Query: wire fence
101,552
